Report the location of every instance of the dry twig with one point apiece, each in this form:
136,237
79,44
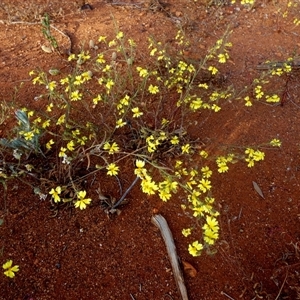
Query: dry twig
160,222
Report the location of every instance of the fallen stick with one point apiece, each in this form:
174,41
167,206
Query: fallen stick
160,222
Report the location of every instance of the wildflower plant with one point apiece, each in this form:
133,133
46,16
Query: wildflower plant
110,108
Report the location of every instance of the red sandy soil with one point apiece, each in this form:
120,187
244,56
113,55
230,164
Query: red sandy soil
85,254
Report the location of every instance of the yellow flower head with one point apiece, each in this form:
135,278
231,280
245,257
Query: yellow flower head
153,89
82,202
139,163
112,169
275,143
186,232
55,194
136,112
9,269
195,248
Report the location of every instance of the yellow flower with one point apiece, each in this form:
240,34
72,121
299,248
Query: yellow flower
153,89
109,84
211,224
216,108
250,152
131,42
101,39
139,163
111,148
210,236
213,70
223,57
186,148
174,140
9,269
120,35
55,193
37,80
61,119
37,120
112,169
28,135
258,92
30,113
203,85
136,112
190,184
49,107
277,71
275,143
82,57
164,195
193,172
125,101
186,232
203,153
196,104
100,58
222,167
71,57
86,76
153,51
82,202
49,144
140,171
148,186
51,86
100,81
191,68
248,101
164,122
250,162
75,96
64,80
112,43
120,123
287,68
71,145
62,152
97,99
206,172
46,124
273,99
204,185
258,155
79,80
106,68
195,248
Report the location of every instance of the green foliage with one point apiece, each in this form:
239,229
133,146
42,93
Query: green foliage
27,139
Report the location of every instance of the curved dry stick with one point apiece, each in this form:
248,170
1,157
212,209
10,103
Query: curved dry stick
160,222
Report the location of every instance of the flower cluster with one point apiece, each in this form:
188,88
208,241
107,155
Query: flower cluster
164,188
253,155
81,201
222,162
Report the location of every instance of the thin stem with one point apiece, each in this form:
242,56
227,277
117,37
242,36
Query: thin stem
126,192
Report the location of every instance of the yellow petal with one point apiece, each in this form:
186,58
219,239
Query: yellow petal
8,264
9,274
